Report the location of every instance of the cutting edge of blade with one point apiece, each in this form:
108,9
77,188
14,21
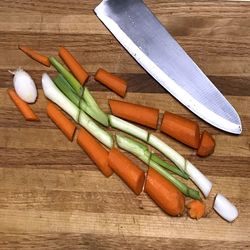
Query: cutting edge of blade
185,98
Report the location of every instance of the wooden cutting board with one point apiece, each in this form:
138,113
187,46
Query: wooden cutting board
51,194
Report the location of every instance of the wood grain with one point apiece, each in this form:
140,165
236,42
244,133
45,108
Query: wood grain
51,194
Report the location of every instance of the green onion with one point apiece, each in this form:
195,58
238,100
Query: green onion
56,96
67,75
143,153
187,191
86,103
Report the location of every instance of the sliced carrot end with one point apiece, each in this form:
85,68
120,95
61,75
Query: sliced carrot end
115,83
62,122
207,145
196,209
23,107
75,67
181,129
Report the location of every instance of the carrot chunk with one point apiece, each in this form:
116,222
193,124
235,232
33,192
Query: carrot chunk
164,193
97,153
35,55
181,129
140,114
61,121
23,107
111,81
207,144
130,173
78,71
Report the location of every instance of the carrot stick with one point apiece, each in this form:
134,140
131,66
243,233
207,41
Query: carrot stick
111,81
181,129
196,209
207,144
78,71
36,56
24,108
136,113
61,121
97,153
164,193
130,173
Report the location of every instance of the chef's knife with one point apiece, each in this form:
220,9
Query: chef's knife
147,40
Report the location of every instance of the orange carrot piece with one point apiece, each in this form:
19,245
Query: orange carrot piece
35,55
61,121
164,193
196,209
24,107
207,144
116,84
143,115
130,173
97,153
78,71
181,129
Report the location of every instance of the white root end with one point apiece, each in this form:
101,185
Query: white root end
225,208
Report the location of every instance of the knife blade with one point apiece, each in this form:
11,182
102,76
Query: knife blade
152,46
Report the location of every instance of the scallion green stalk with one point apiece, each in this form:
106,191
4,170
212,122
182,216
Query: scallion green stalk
67,75
56,96
87,103
142,152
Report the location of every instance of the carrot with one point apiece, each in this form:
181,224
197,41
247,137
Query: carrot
24,107
78,71
36,56
111,81
97,153
207,144
196,209
130,173
164,193
181,129
61,121
136,113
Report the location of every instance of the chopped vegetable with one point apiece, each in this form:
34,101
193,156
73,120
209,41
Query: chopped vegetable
164,193
130,173
61,121
195,175
67,75
86,102
24,108
78,71
56,96
95,151
36,56
196,209
207,144
225,208
24,86
142,152
127,127
140,114
181,129
111,81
